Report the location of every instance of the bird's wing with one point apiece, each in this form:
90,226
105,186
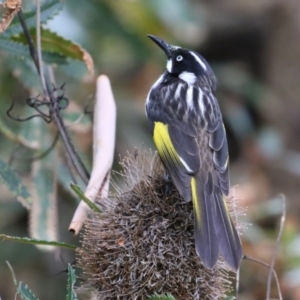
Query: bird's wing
229,241
175,138
217,140
218,145
179,154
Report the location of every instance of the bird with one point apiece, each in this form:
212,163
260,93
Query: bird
188,132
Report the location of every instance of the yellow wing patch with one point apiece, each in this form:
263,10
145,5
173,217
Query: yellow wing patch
196,200
163,143
227,213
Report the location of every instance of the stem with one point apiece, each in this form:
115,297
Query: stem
29,41
54,109
38,43
276,246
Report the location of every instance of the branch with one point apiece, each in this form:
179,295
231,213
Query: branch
282,221
38,43
103,145
54,107
246,257
29,40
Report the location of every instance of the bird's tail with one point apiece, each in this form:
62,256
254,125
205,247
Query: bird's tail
206,239
215,233
229,241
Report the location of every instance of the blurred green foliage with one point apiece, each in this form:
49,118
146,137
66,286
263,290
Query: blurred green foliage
246,44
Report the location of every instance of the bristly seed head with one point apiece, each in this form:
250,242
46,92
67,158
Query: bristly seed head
144,242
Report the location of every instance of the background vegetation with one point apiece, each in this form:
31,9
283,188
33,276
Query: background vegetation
253,47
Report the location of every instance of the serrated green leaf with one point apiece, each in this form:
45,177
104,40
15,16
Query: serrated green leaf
89,203
162,297
75,69
71,295
22,290
43,213
12,273
37,242
25,71
6,131
13,136
49,9
53,43
12,180
35,131
22,51
25,293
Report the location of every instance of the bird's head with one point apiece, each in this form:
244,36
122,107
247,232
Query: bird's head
186,64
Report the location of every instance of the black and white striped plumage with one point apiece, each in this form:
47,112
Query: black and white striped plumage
189,134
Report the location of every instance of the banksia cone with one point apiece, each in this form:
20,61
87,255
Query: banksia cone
143,242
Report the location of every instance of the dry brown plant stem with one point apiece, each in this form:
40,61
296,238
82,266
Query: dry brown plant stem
247,257
276,246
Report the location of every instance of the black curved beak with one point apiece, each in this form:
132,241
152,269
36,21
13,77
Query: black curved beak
161,44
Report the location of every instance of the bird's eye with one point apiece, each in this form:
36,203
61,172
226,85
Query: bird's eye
179,58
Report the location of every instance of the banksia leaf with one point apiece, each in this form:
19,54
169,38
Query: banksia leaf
26,240
71,295
23,290
14,183
22,51
25,293
10,134
25,72
43,214
143,242
89,203
53,43
32,131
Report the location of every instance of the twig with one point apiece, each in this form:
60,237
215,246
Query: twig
103,145
34,103
276,247
54,109
14,155
77,162
38,43
246,257
29,40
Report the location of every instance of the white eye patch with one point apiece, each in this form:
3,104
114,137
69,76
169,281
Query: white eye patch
179,58
169,65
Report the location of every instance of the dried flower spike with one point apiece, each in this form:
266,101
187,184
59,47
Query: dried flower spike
144,242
